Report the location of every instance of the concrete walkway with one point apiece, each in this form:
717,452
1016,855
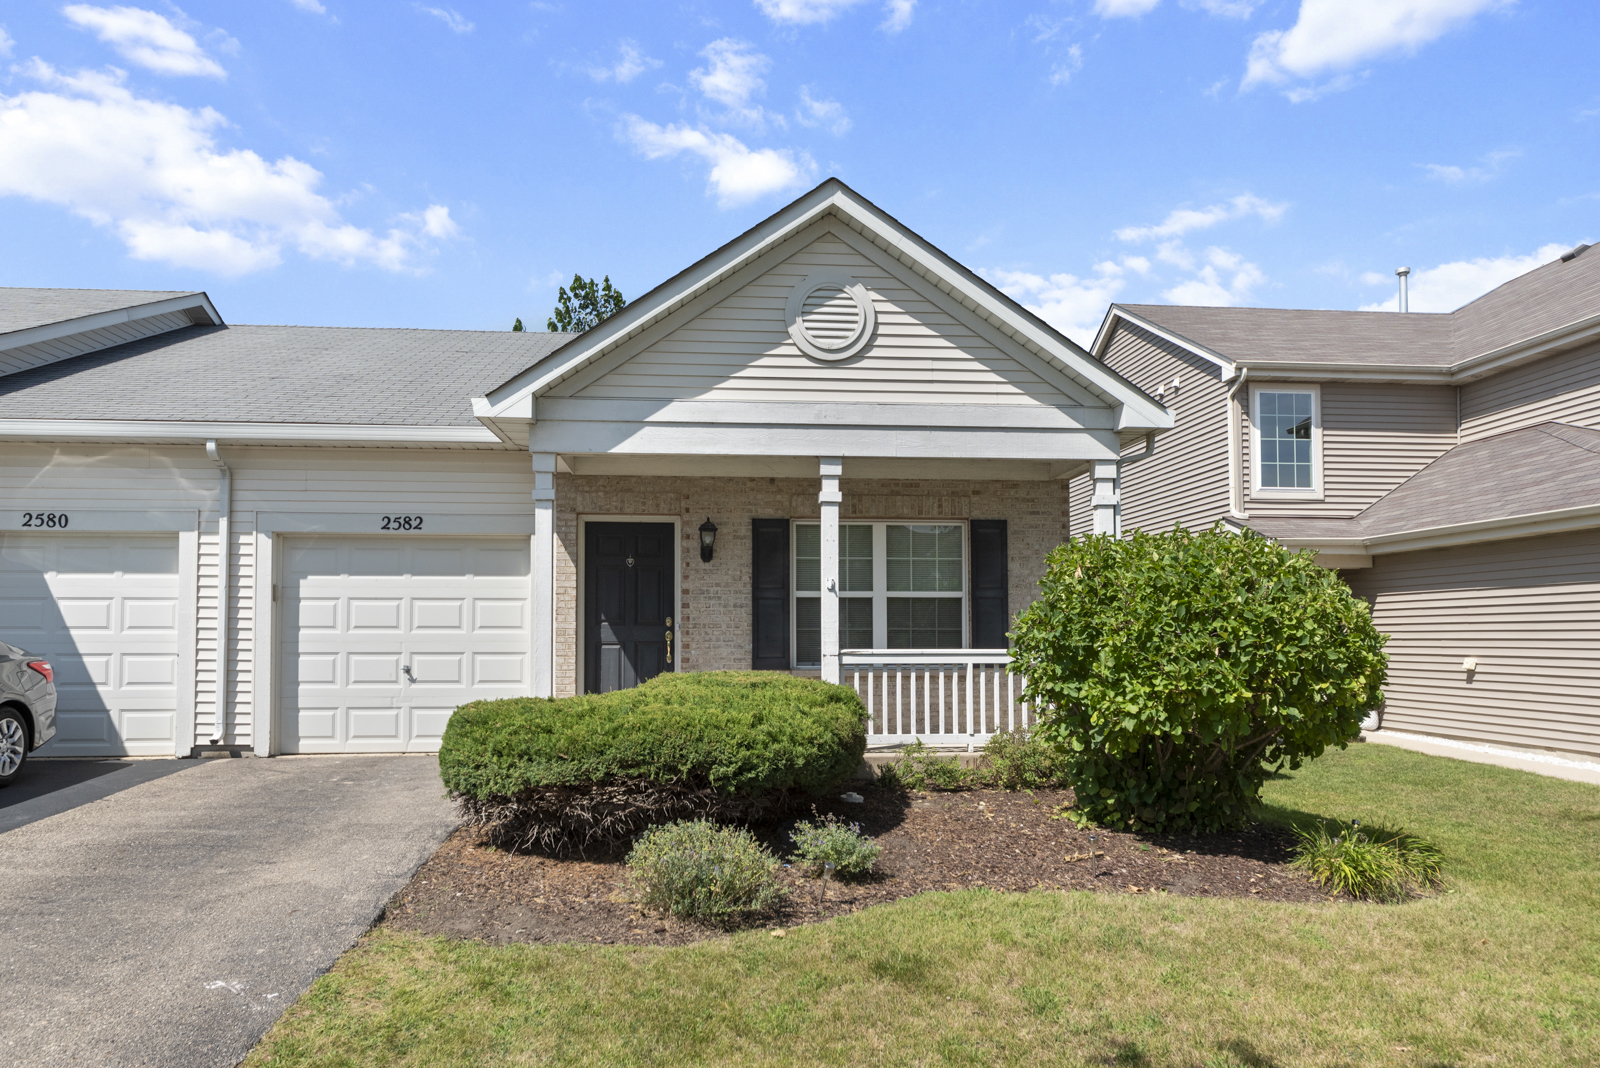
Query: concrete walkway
1556,765
172,922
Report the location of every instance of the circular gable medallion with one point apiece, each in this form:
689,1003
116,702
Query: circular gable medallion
830,316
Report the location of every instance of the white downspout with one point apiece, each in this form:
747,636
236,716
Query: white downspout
1235,459
219,729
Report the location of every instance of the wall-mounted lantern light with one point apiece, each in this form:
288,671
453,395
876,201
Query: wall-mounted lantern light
708,539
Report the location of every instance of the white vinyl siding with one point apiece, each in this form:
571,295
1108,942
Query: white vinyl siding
1527,609
740,349
62,348
1564,388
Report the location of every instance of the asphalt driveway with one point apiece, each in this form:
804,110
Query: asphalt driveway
170,923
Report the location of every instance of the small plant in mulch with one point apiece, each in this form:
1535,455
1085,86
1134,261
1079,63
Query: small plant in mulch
696,870
831,840
920,767
1375,864
1021,760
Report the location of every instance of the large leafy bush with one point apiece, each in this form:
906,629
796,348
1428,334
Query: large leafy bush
1175,671
723,745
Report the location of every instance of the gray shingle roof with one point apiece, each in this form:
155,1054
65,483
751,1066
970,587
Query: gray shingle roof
280,374
1542,468
1543,299
23,309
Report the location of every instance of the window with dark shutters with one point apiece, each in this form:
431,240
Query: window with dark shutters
989,594
769,595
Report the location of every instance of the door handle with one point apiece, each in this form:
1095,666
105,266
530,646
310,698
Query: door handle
669,647
407,669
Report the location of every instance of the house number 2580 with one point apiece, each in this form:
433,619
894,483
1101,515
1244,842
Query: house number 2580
45,520
402,522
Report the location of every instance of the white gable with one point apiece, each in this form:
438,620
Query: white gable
919,350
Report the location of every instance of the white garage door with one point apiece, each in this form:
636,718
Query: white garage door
103,609
383,638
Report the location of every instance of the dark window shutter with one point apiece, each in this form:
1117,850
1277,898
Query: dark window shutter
991,606
769,595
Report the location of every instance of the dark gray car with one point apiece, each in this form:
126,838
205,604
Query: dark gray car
27,708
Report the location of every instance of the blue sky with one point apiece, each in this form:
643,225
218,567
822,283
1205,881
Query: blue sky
447,164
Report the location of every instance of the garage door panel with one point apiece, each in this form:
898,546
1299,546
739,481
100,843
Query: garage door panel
453,610
103,609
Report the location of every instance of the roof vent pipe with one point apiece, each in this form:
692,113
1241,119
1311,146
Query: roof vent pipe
1402,273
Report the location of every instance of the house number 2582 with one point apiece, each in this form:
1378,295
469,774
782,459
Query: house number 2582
402,522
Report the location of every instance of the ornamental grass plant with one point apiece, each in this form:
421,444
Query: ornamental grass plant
1373,863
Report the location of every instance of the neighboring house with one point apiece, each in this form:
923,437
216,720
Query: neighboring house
1448,464
395,522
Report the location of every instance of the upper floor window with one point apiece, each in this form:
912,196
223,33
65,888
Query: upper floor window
901,586
1287,427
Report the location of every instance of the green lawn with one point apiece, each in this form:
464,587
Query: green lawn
1503,969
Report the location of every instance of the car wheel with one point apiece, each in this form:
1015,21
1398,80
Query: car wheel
13,744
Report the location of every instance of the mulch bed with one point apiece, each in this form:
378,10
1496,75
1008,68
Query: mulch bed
933,841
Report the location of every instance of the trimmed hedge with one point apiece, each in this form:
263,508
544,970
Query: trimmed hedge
726,745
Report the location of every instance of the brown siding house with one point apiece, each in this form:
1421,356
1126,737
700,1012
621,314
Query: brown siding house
1447,464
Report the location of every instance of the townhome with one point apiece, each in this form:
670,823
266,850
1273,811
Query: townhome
826,447
1447,464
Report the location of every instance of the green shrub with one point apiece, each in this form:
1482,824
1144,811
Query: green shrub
832,840
1021,760
1175,672
735,745
1379,864
920,767
696,870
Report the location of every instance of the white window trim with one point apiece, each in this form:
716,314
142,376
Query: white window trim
880,581
1285,493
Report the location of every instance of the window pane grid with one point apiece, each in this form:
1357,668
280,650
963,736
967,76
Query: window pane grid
1285,436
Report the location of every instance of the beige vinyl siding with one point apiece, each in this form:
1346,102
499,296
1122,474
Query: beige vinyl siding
1186,481
1527,609
740,349
1080,506
62,348
1374,437
265,479
1565,388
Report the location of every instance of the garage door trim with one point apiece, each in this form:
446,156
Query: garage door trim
97,520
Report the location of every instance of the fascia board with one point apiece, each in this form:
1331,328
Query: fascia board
1229,367
825,414
1346,372
665,298
1556,521
1487,363
67,327
142,429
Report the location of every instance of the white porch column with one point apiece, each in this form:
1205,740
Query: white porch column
831,467
1106,499
542,602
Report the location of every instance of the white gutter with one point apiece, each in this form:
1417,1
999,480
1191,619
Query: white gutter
219,728
242,433
1235,459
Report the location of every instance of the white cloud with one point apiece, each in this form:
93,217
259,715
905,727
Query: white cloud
1226,279
1073,305
1335,35
154,174
1450,285
1062,72
449,16
897,15
145,38
738,173
310,5
805,12
632,63
1228,9
6,43
1118,9
1493,163
733,74
1183,220
829,113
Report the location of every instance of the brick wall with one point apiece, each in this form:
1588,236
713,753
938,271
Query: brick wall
714,627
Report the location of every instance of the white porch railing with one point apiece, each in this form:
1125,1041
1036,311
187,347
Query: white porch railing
945,697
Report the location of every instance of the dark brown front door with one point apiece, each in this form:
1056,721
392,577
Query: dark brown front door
627,607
